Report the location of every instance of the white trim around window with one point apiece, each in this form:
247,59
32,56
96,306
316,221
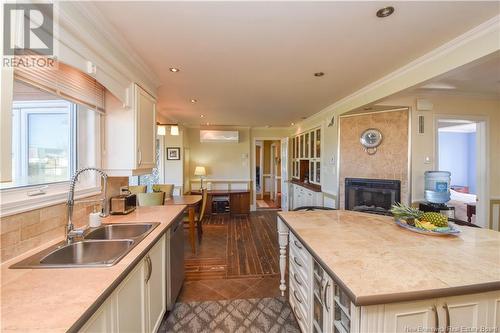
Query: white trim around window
17,200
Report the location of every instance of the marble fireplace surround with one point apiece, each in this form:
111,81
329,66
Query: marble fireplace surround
391,161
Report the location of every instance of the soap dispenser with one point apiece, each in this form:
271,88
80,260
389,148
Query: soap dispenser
95,218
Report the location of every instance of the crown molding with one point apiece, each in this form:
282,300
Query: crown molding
85,23
487,30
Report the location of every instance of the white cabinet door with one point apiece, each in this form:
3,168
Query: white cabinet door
129,299
309,198
467,311
418,316
146,125
155,286
101,321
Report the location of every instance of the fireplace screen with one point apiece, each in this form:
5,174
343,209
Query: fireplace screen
371,195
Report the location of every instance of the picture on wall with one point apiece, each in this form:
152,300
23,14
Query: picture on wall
173,153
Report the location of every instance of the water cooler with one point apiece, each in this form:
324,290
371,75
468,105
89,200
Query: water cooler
437,193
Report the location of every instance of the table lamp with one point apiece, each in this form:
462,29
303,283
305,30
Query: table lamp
200,171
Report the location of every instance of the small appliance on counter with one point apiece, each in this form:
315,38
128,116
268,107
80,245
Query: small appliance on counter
123,204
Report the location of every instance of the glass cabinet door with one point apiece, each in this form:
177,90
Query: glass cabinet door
311,171
318,172
296,147
306,145
318,143
312,144
293,148
301,143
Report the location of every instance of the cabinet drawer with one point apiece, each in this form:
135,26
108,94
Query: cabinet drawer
299,310
300,286
299,265
297,247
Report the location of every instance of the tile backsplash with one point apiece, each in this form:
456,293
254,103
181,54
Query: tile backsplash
22,232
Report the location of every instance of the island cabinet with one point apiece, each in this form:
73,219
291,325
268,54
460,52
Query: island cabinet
129,143
139,302
322,305
302,197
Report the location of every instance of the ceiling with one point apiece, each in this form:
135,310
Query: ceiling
480,77
252,63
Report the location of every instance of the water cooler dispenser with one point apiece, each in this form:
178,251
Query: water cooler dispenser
437,193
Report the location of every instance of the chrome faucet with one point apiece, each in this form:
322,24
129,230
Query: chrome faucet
71,233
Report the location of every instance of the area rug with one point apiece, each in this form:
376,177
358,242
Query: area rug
241,315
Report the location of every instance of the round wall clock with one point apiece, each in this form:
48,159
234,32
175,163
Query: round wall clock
371,139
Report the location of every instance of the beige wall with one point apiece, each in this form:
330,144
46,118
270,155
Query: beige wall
423,145
25,231
227,160
391,158
221,160
174,169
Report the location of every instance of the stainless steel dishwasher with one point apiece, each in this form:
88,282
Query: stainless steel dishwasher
175,262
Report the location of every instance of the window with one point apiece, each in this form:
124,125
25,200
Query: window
43,141
51,138
52,128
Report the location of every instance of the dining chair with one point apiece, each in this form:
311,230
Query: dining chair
151,199
137,189
201,214
168,189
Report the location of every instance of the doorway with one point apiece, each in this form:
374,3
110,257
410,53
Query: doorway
461,148
267,174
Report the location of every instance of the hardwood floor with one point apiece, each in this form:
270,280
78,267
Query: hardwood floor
253,245
237,258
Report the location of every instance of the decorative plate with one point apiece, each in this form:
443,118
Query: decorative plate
452,229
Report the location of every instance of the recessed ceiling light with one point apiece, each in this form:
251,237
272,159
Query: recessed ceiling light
319,74
292,124
384,12
194,100
202,115
174,70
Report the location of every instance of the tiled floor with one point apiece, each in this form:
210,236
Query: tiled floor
231,282
232,316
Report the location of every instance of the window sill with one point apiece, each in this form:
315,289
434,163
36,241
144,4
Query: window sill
15,201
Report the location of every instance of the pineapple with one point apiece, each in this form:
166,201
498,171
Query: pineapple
439,220
404,212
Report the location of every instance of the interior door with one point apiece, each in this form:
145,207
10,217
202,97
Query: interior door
284,174
273,172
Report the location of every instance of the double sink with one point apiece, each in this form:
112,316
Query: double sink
101,246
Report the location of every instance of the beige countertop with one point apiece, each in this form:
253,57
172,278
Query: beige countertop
378,262
57,300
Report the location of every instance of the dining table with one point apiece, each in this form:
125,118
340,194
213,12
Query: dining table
192,202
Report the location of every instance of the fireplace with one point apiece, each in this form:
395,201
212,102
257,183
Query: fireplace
371,195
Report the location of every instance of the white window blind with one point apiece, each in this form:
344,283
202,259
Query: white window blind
65,81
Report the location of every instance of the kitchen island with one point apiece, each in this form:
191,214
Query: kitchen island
128,296
357,272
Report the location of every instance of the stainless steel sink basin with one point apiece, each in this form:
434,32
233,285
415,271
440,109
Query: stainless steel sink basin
88,253
120,231
102,246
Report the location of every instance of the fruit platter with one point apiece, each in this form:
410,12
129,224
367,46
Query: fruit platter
429,223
